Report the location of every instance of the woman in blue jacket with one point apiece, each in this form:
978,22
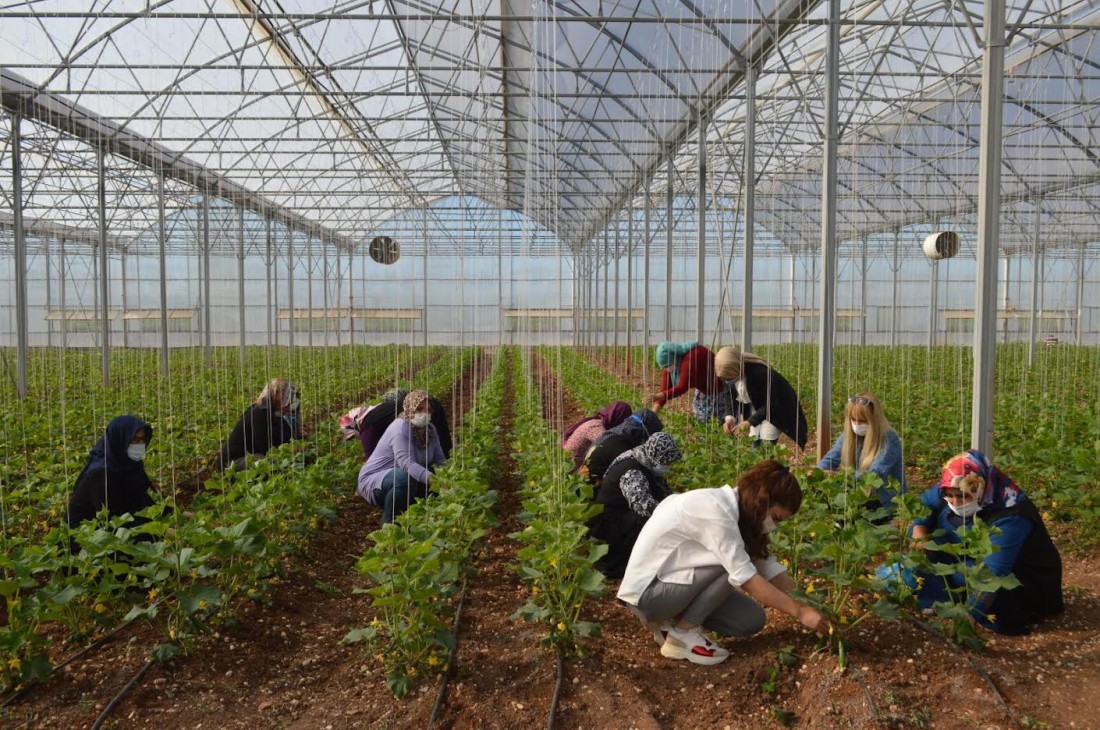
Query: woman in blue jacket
972,487
868,444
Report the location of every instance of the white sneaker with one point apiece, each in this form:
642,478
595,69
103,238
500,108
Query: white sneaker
693,646
660,630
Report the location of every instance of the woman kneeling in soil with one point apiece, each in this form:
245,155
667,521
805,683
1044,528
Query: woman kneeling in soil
971,486
398,471
632,487
703,557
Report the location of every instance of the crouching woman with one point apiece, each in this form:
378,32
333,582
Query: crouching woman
702,562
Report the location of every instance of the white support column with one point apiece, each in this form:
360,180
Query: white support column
827,314
21,325
240,286
701,229
162,242
1035,277
630,289
669,205
310,320
989,211
618,260
424,231
61,286
207,352
863,294
268,265
894,292
1077,330
645,290
749,199
933,301
606,339
290,286
324,288
104,312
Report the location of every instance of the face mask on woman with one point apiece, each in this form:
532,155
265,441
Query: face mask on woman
136,451
420,420
965,510
661,469
768,525
860,429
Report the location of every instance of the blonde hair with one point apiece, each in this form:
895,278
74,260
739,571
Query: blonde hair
729,363
877,428
274,393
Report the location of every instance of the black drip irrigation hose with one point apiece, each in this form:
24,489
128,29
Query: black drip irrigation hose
977,668
441,696
867,693
557,690
122,694
19,693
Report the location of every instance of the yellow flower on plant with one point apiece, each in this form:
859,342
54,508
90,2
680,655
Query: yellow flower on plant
433,661
412,671
202,603
375,623
171,633
843,619
100,608
992,618
15,664
561,626
810,588
152,595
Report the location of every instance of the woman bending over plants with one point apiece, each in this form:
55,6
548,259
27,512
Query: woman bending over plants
271,420
398,471
757,397
632,487
951,534
702,562
579,437
615,441
686,366
114,476
868,443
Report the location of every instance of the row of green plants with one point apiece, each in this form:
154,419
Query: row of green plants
45,438
417,563
556,556
183,569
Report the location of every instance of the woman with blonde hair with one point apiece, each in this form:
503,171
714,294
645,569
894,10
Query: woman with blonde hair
271,420
757,397
868,443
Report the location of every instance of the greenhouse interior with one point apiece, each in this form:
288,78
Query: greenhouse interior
532,211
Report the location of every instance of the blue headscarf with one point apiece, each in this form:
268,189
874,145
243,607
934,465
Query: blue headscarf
109,453
669,356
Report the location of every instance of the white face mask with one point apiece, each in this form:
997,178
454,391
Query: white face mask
661,469
769,525
136,451
293,404
860,429
965,510
420,420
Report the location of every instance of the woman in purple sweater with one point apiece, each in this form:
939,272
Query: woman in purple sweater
398,471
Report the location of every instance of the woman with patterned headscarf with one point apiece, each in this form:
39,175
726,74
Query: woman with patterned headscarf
971,486
398,472
378,419
633,485
271,420
686,366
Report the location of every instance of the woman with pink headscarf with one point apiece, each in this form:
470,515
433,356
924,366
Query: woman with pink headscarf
578,438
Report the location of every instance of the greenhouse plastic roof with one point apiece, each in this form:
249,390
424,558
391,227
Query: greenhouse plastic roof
335,117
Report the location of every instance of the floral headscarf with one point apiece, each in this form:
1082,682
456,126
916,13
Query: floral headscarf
413,401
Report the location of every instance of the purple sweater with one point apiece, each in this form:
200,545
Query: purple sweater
397,449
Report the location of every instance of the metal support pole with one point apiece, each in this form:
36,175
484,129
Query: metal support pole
933,302
240,285
500,277
645,291
669,205
894,295
989,209
618,306
630,289
827,313
310,319
1077,330
749,200
863,294
49,292
425,232
606,339
101,164
701,225
207,352
1035,276
122,291
324,289
21,325
162,240
268,265
61,279
794,301
290,286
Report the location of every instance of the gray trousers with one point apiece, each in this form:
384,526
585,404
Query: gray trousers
709,601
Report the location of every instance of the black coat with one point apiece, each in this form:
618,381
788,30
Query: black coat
259,430
120,492
618,525
774,400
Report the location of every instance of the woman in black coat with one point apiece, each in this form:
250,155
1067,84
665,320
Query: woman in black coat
758,397
271,420
114,477
629,434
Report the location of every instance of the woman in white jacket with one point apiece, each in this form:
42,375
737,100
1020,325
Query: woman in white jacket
702,559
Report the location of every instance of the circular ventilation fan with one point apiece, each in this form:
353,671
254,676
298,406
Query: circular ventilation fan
384,250
941,245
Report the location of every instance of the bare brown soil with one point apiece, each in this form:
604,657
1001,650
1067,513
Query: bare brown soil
283,666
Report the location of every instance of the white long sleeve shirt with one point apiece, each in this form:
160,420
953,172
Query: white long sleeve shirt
689,531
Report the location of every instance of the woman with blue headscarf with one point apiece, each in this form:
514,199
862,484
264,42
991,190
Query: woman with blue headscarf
687,366
114,477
